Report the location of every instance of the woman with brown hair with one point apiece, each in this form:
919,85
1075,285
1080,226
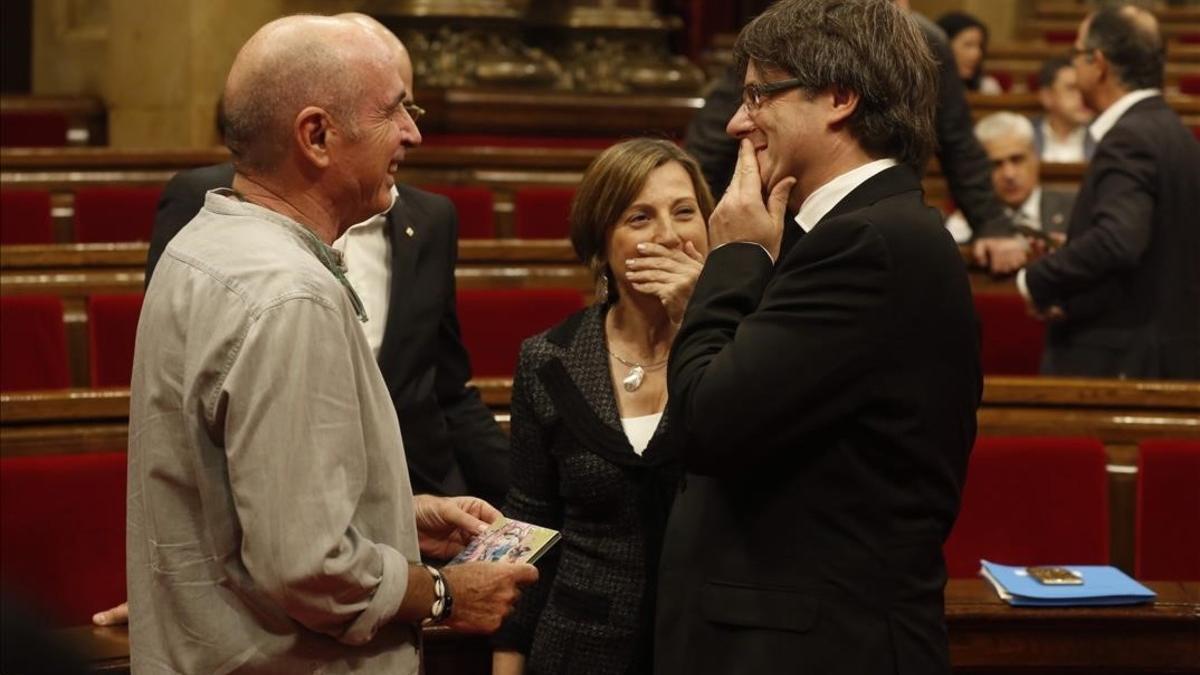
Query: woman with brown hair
589,454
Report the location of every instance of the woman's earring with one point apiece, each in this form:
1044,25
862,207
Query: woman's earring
602,286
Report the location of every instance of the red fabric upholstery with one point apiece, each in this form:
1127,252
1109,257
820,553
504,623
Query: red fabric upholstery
1004,78
62,532
1032,83
1189,38
112,328
509,141
1059,37
476,212
1032,501
494,321
542,212
33,129
25,217
34,350
1012,340
105,214
1189,84
1167,539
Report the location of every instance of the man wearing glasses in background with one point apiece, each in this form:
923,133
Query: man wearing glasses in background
826,374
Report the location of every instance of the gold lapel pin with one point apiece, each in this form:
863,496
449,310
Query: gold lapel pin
408,231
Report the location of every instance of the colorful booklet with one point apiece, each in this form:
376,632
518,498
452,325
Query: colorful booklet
1081,586
509,541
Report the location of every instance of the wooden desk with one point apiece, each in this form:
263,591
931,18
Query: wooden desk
986,637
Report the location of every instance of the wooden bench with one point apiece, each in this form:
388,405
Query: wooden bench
986,636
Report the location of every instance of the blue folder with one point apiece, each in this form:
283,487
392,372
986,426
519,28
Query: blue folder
1102,585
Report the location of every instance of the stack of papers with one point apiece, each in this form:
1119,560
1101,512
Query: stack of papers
1102,585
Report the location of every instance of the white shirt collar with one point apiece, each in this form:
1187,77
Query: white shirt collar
1107,119
1031,210
824,198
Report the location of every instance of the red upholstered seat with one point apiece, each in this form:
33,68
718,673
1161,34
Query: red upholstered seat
1189,84
1059,37
34,350
33,129
1189,38
112,328
25,217
1012,340
1167,539
516,141
495,321
476,211
1032,83
1032,501
1004,78
105,214
542,212
62,532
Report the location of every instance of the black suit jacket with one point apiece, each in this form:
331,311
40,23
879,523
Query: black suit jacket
451,439
828,405
1128,277
574,471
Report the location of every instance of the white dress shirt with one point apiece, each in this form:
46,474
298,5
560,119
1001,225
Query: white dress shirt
824,198
1029,214
1099,129
1066,150
367,256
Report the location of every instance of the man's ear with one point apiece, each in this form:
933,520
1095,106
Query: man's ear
311,134
842,104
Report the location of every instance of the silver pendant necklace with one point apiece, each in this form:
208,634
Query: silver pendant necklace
637,372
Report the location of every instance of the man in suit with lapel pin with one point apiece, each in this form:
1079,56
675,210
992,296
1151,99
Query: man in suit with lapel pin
826,375
1008,140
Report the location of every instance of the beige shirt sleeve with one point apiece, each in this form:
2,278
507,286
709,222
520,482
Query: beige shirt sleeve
289,408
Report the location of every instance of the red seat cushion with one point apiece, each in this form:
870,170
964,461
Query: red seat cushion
34,350
1189,84
515,141
476,211
1032,82
542,212
107,214
62,532
1167,545
495,321
33,129
1030,501
1012,340
25,217
1059,37
112,328
1004,78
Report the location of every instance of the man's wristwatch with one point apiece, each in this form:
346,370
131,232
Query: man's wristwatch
443,602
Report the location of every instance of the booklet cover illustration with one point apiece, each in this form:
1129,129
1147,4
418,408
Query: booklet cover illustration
510,541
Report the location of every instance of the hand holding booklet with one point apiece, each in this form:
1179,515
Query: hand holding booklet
1074,586
510,541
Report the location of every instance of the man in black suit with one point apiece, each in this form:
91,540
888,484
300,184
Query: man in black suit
1124,293
826,375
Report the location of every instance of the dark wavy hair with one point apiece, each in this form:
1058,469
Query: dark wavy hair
869,47
956,22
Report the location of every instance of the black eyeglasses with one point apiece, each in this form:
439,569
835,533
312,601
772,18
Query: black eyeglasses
754,95
414,111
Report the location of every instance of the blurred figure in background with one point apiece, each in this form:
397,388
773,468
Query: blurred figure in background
968,40
1008,139
1060,135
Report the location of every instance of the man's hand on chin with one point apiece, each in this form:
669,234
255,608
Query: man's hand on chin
742,215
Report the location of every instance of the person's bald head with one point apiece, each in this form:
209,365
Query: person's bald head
1129,39
290,65
402,55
